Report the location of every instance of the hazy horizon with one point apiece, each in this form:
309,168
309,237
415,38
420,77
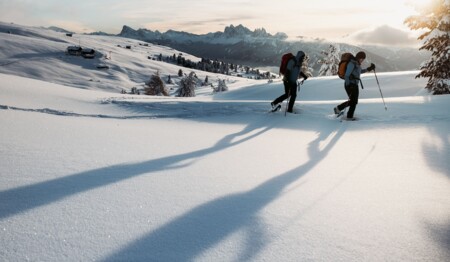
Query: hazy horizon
357,21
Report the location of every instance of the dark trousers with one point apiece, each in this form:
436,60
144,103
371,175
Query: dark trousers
353,94
290,89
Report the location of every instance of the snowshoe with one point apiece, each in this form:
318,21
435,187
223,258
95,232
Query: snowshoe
275,107
349,119
338,112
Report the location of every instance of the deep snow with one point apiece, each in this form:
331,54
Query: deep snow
90,174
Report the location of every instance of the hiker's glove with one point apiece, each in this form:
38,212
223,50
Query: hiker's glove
371,67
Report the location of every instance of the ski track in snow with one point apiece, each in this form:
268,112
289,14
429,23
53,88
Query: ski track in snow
157,110
193,110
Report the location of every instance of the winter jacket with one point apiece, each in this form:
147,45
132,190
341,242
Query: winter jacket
293,68
353,73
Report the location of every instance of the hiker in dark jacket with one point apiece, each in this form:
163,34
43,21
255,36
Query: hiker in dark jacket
352,79
293,71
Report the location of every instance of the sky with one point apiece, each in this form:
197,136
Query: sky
364,21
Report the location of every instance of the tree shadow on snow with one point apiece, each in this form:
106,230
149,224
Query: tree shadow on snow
440,233
193,233
437,152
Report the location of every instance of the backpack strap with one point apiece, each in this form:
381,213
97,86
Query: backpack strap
352,76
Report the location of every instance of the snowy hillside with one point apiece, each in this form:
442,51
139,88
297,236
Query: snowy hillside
89,174
41,54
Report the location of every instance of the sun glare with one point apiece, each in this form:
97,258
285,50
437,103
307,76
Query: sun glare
418,4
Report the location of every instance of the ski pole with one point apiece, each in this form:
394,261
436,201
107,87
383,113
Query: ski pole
378,83
298,85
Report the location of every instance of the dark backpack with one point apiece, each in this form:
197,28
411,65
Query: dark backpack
284,61
345,58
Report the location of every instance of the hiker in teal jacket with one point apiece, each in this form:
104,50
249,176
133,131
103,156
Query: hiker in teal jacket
352,79
293,71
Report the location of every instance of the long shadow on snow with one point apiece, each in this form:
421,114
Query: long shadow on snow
440,233
436,154
191,234
21,199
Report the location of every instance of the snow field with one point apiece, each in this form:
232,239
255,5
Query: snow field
90,174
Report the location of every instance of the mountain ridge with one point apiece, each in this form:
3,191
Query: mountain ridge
239,44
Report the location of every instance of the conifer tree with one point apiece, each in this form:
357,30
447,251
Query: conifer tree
187,86
155,86
436,20
305,67
330,63
222,86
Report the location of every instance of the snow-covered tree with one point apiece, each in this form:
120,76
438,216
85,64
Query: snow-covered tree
187,86
305,67
155,86
135,91
222,86
330,63
436,20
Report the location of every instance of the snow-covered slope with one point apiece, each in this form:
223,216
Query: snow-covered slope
41,54
87,174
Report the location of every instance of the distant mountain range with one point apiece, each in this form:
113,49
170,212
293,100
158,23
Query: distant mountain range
258,48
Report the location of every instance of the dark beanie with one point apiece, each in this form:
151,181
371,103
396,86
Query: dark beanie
360,55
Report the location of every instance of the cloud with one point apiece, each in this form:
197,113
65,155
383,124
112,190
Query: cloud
74,26
384,35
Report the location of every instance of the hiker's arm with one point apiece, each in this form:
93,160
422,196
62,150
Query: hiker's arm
363,70
370,68
348,72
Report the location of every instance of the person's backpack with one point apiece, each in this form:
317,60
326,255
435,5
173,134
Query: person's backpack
345,58
284,61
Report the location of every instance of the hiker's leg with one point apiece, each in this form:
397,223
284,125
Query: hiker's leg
293,93
353,100
283,96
